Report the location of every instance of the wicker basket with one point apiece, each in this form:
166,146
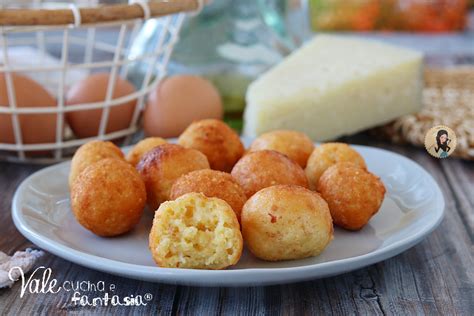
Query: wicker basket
72,40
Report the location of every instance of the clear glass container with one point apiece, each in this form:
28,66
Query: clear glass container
231,43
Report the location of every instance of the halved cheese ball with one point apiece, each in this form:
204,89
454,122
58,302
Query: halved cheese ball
328,154
142,147
211,183
163,165
285,222
108,197
296,145
353,194
91,153
264,168
220,143
195,232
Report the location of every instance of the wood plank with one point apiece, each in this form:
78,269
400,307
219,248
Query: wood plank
244,301
11,176
460,176
198,300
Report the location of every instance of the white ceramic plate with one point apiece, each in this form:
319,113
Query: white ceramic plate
412,208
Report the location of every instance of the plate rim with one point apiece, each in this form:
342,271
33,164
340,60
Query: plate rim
227,277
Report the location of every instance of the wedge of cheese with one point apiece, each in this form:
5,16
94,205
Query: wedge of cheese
335,86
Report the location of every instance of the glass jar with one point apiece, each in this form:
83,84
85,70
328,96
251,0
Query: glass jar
231,43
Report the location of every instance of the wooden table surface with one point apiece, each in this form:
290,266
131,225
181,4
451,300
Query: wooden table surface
434,277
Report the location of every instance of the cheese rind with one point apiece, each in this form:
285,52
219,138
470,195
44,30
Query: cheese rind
335,86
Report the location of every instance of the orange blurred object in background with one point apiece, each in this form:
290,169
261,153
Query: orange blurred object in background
397,15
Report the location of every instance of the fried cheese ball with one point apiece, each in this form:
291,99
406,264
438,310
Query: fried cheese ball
353,194
142,147
264,168
90,153
296,145
108,197
163,165
328,154
211,183
195,232
220,143
285,222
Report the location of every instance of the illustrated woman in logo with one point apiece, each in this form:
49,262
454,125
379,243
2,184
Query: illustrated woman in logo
442,142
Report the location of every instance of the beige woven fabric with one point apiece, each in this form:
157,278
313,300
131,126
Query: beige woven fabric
25,260
448,99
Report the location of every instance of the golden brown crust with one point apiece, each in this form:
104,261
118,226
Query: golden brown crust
196,232
91,153
108,197
264,168
296,145
220,143
163,165
328,154
353,194
142,147
286,222
211,183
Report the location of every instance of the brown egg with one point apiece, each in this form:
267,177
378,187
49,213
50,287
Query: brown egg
177,102
94,89
35,128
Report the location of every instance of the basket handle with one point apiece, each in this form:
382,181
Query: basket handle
104,13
